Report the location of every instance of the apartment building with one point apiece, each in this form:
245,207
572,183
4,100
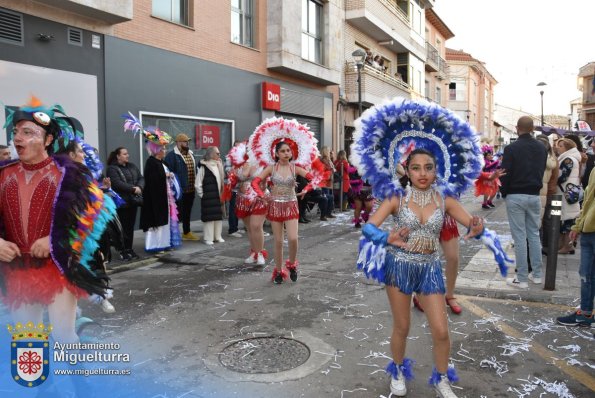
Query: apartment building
471,92
211,69
586,84
436,75
392,34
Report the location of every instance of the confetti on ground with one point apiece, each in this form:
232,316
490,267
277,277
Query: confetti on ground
500,366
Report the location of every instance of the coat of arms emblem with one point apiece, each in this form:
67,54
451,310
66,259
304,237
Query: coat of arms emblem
30,353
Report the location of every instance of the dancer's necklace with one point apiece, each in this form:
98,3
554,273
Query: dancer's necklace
422,198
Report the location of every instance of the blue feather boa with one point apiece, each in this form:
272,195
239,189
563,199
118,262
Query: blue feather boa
406,369
384,133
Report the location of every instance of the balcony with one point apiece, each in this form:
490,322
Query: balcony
384,21
112,12
435,63
376,85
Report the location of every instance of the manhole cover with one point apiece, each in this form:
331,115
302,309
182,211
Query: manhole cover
264,355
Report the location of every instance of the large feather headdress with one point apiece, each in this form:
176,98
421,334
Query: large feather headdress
386,132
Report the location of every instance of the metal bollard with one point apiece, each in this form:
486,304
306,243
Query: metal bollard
554,234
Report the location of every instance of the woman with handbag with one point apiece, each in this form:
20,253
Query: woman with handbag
128,182
569,186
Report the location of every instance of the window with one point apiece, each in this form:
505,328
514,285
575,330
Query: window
438,98
312,31
457,91
242,22
172,10
427,89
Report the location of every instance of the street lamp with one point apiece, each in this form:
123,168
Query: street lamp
468,111
541,84
359,56
569,121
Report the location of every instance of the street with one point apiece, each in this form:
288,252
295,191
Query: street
184,316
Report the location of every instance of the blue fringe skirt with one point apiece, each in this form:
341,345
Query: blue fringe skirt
413,272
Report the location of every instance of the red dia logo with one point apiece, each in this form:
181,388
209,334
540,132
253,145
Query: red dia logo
271,96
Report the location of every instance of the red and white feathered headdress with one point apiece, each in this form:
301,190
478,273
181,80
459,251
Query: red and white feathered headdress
238,154
261,144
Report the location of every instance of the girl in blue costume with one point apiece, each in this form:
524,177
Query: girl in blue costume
407,260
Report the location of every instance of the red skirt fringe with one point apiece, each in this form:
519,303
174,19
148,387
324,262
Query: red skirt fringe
450,229
246,207
35,285
486,187
283,211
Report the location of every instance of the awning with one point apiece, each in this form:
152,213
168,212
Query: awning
550,130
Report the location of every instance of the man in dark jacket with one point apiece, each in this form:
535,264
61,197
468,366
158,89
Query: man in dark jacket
524,165
181,162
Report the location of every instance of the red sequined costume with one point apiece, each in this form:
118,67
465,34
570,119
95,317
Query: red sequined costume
449,230
283,205
247,201
483,184
27,195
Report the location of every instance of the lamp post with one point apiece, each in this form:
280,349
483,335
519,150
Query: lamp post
359,56
468,112
569,121
541,84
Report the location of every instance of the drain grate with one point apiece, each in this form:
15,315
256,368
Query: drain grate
264,355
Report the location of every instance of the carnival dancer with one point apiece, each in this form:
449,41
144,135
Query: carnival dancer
249,207
360,195
81,152
285,148
159,214
488,182
443,164
53,214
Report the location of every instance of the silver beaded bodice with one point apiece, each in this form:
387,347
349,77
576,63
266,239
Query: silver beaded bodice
423,238
283,187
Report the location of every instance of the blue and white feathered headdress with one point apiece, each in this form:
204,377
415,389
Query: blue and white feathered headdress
385,133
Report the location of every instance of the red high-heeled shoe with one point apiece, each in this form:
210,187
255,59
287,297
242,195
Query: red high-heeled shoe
417,304
456,309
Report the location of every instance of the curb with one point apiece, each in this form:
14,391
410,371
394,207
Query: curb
132,265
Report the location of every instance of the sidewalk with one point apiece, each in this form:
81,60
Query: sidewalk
478,277
481,277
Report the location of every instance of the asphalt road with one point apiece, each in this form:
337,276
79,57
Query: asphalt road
180,317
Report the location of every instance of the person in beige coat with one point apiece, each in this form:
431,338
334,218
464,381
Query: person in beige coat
550,177
209,188
569,159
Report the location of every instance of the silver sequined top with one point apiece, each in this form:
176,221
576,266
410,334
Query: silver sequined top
423,238
244,182
283,187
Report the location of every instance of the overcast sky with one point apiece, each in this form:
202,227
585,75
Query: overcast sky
524,42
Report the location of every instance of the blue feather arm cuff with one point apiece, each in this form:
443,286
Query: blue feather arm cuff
372,252
492,242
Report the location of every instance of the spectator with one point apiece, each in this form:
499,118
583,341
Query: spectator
127,182
209,186
550,179
4,153
159,215
524,165
569,160
314,195
590,152
369,58
232,218
342,166
579,147
327,185
585,227
181,162
381,65
376,62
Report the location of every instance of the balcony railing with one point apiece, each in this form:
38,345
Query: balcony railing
435,63
376,85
